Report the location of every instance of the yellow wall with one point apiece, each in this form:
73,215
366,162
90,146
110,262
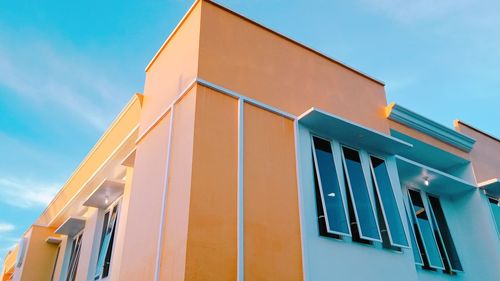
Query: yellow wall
485,155
40,256
9,264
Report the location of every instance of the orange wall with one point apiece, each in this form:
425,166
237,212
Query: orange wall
426,138
173,259
172,69
252,61
271,225
485,155
142,225
8,264
212,245
40,256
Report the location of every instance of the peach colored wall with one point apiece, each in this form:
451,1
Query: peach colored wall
271,224
40,256
172,69
173,259
212,245
142,223
252,61
485,155
426,138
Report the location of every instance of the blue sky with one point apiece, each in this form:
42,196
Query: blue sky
68,67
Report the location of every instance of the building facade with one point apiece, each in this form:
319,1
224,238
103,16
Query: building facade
253,157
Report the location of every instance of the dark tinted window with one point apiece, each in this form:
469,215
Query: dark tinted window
425,231
449,246
359,192
329,187
388,202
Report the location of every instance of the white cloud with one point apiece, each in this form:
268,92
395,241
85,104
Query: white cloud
53,75
23,193
6,227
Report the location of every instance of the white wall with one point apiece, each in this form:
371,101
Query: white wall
325,259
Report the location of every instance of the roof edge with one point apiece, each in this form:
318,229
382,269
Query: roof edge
458,122
265,28
402,115
136,97
171,35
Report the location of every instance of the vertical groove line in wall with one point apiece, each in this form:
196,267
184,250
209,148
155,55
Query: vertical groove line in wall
164,196
240,215
299,196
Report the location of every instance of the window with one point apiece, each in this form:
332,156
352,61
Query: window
495,209
106,245
369,211
55,263
393,224
415,246
446,245
74,257
433,237
363,208
329,188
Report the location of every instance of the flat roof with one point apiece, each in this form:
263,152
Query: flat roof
476,129
296,42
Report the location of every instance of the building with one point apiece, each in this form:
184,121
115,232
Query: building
253,157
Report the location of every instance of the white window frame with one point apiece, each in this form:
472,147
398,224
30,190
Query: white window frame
410,226
495,224
73,241
431,210
382,204
371,185
426,208
341,187
353,201
109,210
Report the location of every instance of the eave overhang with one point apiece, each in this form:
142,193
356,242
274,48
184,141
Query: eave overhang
105,194
71,227
414,174
350,133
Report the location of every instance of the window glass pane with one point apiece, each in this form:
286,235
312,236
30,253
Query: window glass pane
329,186
425,230
495,208
388,201
359,192
107,260
103,261
415,248
445,234
74,258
